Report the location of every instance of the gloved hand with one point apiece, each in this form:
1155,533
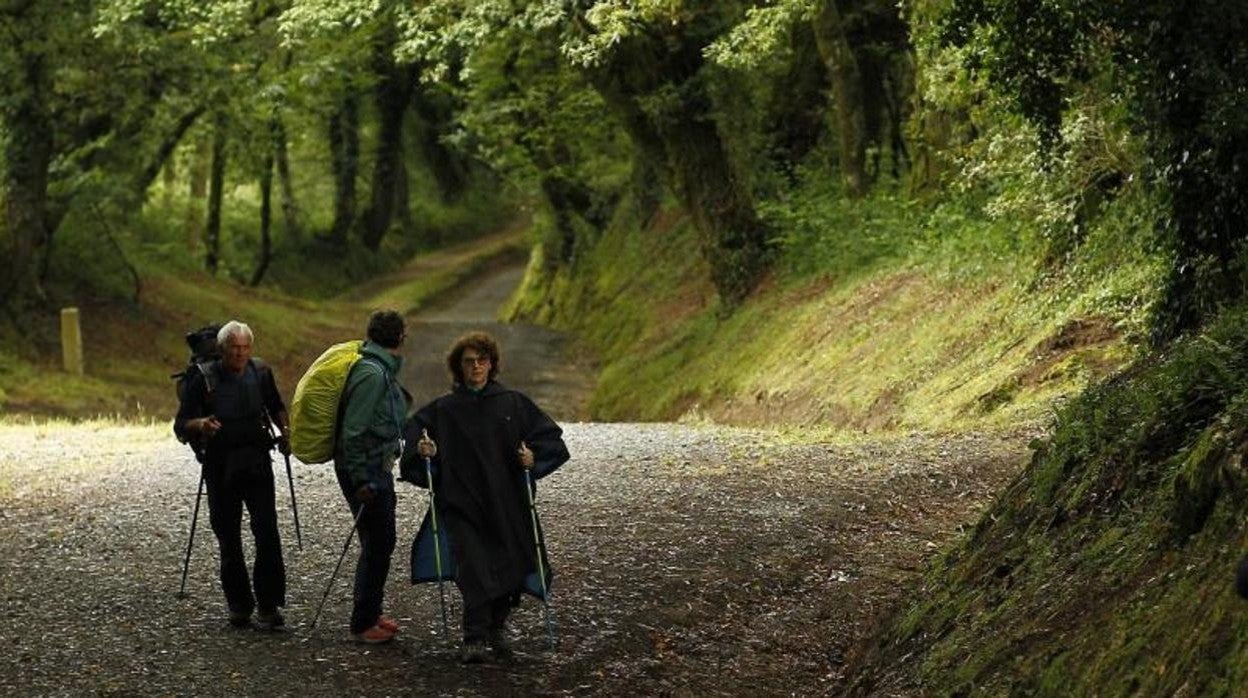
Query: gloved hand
283,443
365,494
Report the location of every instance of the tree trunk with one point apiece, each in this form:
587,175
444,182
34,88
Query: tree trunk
266,216
28,143
403,197
161,155
392,93
216,187
281,158
568,200
734,240
197,188
344,145
448,169
684,141
845,76
170,177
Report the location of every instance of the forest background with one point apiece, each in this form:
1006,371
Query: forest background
827,215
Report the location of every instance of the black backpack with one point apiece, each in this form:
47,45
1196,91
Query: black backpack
204,353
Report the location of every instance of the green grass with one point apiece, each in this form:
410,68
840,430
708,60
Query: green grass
879,314
132,348
1126,530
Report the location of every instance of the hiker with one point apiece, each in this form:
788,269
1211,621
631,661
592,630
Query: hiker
481,437
368,445
227,408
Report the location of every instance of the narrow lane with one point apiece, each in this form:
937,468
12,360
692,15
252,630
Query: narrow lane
536,361
688,560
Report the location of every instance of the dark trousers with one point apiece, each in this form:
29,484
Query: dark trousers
483,619
376,531
238,478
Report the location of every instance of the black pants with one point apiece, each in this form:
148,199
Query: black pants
245,477
376,531
486,617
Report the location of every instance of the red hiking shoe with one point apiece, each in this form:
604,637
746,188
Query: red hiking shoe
387,623
374,635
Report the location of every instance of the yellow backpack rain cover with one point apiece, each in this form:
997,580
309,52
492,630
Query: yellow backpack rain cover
314,411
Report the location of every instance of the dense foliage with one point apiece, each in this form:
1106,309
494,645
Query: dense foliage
1179,67
366,123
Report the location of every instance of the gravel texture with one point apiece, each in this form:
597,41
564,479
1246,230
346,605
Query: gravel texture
688,561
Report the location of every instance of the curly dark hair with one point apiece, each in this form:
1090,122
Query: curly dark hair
386,327
483,343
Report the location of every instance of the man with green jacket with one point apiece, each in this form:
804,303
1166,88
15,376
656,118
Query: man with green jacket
369,443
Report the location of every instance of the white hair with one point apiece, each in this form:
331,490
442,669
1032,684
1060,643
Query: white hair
234,327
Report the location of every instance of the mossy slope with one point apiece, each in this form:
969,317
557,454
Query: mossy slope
1107,567
902,344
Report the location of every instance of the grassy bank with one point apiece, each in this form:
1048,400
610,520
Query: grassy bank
1107,567
879,316
131,348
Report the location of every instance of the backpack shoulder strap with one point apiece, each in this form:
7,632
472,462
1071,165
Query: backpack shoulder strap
211,371
264,379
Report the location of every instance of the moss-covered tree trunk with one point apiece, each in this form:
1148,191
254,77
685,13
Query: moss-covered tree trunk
266,218
849,111
733,239
26,129
216,189
568,200
680,138
448,169
344,147
197,191
281,160
392,94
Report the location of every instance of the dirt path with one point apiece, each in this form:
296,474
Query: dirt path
689,561
535,359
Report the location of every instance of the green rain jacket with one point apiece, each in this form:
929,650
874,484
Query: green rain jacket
371,427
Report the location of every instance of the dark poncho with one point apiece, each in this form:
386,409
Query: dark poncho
482,507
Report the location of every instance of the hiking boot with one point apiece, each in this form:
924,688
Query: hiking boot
499,643
271,621
374,635
473,652
239,619
387,623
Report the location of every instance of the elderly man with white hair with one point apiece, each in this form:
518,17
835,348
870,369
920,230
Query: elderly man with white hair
228,406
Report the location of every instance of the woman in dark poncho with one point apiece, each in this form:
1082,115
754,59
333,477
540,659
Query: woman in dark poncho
481,437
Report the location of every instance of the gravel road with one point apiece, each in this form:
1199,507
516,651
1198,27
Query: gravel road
688,560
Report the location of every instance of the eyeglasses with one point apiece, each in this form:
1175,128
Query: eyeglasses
475,361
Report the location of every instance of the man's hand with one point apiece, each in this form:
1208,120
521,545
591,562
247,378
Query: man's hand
283,443
526,456
364,494
426,447
208,426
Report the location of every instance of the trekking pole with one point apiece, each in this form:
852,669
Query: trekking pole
437,545
294,507
541,569
186,563
332,577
